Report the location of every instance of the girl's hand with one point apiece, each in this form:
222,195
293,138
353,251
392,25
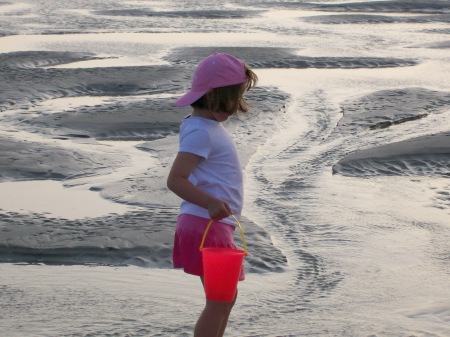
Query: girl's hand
218,209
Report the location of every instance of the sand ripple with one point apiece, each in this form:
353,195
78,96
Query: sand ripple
33,161
394,6
427,155
33,84
388,6
266,57
375,19
142,238
193,14
386,108
35,59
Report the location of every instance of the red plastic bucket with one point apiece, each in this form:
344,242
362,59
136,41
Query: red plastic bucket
221,269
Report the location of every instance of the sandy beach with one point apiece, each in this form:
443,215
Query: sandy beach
346,155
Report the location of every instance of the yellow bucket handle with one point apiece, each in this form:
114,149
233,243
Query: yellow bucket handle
240,227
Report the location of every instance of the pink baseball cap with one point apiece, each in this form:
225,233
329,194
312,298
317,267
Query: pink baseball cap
215,71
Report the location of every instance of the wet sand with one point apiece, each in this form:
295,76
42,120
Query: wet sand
345,152
149,117
422,156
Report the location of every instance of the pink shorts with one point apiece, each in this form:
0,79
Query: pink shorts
188,237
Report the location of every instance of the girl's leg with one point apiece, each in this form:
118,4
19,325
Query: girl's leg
225,321
212,321
214,318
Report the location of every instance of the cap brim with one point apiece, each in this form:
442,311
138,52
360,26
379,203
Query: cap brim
189,98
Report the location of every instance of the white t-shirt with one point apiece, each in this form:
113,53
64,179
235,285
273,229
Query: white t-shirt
220,174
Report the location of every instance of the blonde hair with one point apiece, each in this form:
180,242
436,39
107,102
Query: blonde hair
228,99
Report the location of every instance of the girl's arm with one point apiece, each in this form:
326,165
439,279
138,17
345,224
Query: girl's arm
179,183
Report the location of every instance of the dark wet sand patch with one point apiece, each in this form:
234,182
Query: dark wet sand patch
142,238
405,6
29,83
145,119
385,108
421,156
437,45
190,14
120,16
374,19
26,160
387,6
119,119
26,83
36,59
437,31
267,57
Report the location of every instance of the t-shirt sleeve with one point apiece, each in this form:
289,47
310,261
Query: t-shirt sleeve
197,142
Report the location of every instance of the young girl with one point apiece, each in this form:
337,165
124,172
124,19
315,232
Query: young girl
207,174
